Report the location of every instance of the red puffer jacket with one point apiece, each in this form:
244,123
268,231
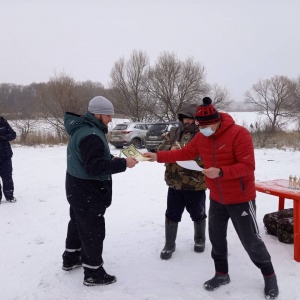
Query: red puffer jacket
231,149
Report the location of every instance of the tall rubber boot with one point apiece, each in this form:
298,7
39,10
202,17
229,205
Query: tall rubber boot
171,233
199,236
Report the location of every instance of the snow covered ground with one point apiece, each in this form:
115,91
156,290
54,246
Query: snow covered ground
33,233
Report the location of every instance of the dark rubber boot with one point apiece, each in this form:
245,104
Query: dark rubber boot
271,287
171,233
216,282
199,236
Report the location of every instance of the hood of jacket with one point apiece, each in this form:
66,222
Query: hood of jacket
73,122
188,110
226,122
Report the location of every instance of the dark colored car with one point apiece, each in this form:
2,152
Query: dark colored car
154,134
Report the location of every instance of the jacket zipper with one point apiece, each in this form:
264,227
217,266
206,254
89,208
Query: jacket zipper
217,179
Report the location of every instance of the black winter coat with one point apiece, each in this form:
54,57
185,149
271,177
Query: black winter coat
7,134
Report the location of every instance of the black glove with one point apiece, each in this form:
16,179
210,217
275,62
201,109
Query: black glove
2,138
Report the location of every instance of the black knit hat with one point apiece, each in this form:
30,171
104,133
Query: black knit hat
206,114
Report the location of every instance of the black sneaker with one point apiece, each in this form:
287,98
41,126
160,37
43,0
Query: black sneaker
12,200
216,282
68,266
271,287
103,280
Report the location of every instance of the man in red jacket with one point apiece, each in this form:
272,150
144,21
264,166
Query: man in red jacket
227,152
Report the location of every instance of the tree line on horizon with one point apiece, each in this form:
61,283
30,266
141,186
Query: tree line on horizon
144,92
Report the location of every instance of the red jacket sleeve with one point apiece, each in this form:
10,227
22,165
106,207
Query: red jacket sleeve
188,152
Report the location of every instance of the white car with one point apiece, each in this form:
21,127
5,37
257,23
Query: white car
126,134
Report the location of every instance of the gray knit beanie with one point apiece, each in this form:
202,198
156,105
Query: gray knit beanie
101,106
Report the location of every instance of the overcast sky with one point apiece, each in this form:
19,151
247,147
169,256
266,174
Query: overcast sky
238,41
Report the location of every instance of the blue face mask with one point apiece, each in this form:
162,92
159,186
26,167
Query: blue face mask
207,131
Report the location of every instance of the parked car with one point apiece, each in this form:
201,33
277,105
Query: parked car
129,133
154,134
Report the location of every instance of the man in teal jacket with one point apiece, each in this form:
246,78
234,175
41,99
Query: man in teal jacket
89,189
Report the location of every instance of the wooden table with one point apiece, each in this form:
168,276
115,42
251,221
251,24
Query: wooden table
280,188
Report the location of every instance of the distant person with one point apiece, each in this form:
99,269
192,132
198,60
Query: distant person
89,189
7,134
186,187
228,156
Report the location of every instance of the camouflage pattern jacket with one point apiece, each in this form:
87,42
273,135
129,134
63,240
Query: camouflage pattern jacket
177,177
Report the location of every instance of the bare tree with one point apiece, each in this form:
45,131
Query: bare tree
274,98
127,86
220,97
85,91
11,96
5,90
26,120
57,97
173,83
25,126
296,108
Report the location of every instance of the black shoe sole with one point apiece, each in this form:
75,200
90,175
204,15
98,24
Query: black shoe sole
71,268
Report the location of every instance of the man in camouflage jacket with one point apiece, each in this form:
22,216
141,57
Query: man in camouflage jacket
186,187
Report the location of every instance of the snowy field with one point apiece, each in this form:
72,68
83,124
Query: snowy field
33,233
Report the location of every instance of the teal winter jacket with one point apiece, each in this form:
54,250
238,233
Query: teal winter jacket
78,127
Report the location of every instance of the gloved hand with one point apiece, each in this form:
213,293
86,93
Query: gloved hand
2,138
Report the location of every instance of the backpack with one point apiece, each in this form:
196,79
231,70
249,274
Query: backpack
280,224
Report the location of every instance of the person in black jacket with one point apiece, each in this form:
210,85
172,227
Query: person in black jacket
89,189
7,134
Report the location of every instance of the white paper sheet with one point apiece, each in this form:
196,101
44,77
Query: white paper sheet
189,164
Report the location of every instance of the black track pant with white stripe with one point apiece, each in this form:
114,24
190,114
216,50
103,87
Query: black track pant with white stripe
243,217
86,233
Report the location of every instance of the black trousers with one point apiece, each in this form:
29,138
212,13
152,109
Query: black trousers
243,217
7,181
193,201
86,233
